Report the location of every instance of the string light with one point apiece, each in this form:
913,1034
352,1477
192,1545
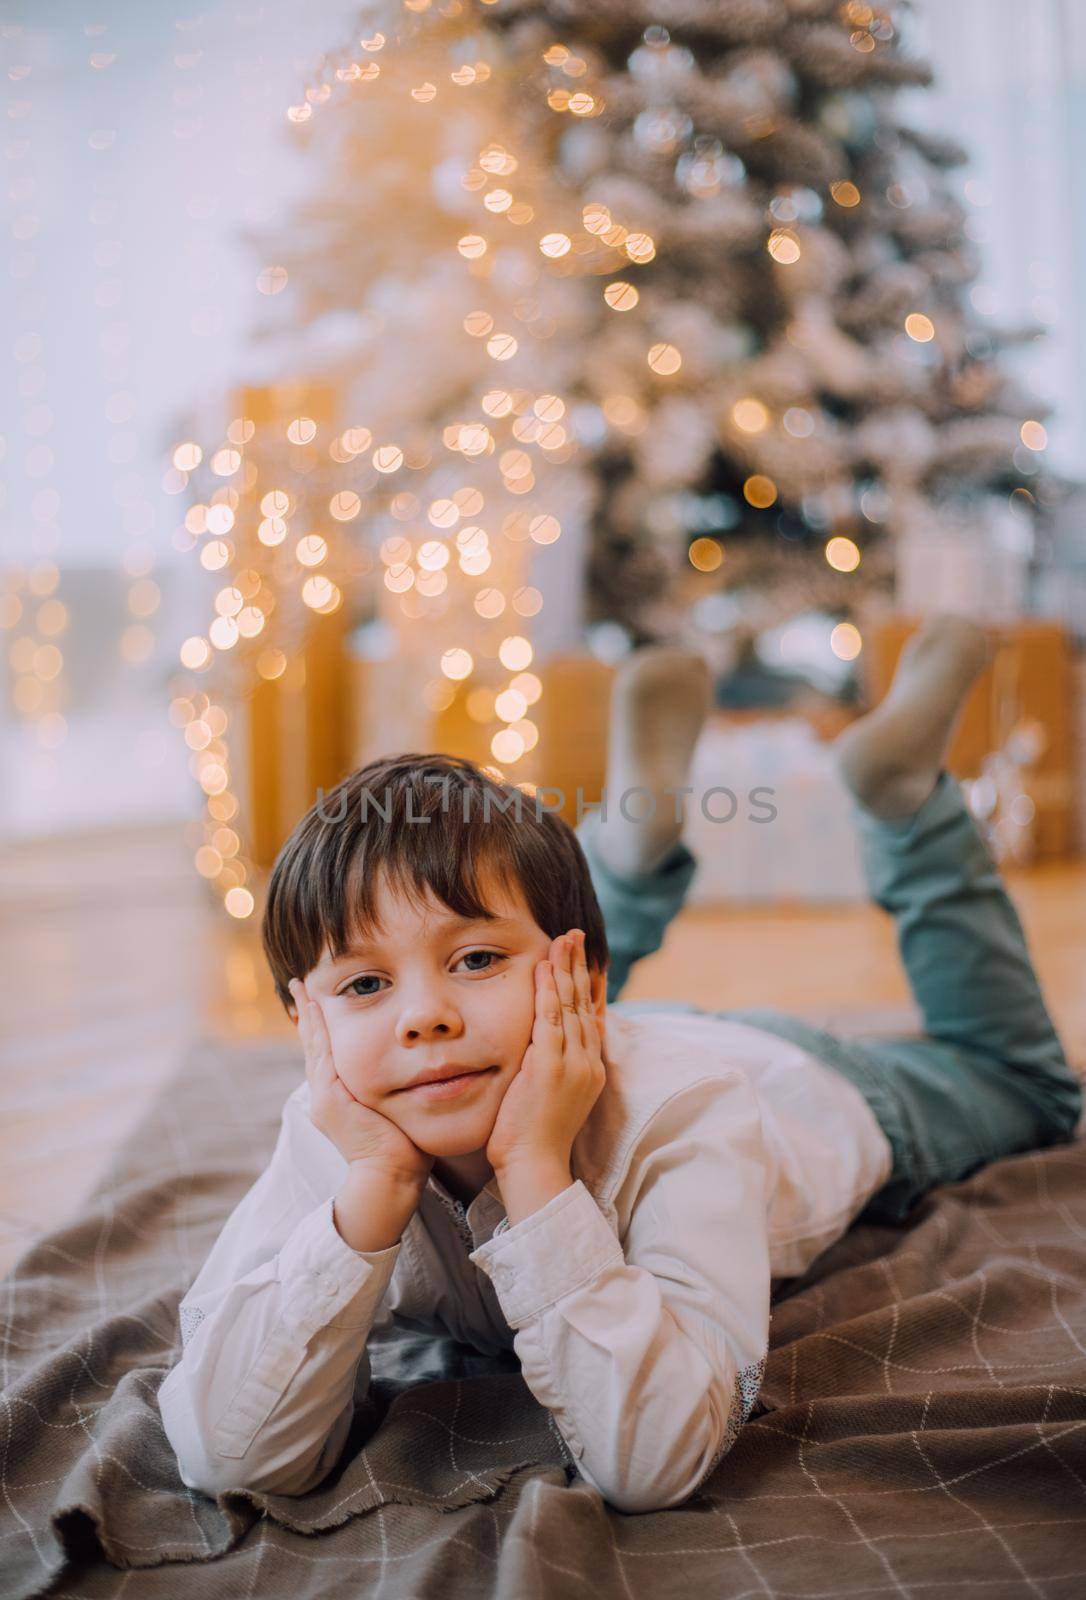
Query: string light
412,577
507,746
489,603
502,347
705,555
187,456
759,491
345,506
510,705
783,246
842,554
621,296
845,641
515,653
195,653
388,458
544,529
272,280
640,247
664,359
750,415
919,327
457,663
798,422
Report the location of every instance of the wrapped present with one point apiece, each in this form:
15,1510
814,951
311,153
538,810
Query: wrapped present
1021,708
769,818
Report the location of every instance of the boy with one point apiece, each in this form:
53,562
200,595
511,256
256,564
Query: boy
484,1146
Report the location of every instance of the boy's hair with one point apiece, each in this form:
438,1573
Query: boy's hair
323,883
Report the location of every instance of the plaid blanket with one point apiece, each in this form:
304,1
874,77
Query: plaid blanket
921,1431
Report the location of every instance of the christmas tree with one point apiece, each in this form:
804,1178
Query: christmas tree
748,283
665,302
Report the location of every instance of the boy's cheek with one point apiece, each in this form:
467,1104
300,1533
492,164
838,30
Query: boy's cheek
525,1022
351,1064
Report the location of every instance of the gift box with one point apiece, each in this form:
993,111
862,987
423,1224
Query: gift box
1030,685
769,818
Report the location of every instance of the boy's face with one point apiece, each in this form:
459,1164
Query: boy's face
429,990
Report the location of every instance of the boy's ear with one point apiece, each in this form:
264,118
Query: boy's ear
291,1006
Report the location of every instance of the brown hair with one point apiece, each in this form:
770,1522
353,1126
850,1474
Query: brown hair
322,888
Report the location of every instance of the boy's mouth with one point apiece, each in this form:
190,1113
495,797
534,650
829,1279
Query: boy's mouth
445,1082
447,1070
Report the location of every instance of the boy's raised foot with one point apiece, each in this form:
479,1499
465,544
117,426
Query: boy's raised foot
659,701
892,757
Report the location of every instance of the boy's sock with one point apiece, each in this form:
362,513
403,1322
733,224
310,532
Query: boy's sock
891,759
659,701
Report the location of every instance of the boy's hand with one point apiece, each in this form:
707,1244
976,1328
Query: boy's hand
363,1137
559,1081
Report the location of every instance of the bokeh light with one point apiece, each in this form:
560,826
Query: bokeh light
845,641
842,554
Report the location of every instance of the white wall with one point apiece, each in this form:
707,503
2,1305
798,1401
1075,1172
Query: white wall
126,300
1011,86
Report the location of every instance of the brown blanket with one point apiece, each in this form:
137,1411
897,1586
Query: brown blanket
922,1429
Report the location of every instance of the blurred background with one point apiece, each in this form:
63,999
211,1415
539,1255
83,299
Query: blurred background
379,376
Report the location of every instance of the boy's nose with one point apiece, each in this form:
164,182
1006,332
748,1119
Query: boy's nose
431,1018
438,1030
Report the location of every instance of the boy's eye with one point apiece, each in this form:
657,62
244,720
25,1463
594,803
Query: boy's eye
363,994
488,958
487,955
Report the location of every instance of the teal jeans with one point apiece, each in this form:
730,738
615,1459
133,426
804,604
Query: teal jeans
988,1078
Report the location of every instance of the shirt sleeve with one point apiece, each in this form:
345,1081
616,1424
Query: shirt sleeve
274,1332
649,1352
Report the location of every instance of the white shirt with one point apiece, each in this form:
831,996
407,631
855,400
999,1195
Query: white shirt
717,1160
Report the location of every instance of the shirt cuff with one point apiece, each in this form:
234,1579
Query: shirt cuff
328,1284
537,1261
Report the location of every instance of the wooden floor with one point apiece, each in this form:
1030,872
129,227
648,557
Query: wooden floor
116,960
